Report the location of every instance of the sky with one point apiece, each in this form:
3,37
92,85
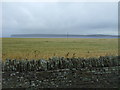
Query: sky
59,18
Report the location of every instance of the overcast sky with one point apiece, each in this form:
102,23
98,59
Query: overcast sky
60,18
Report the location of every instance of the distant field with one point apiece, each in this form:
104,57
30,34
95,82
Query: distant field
35,48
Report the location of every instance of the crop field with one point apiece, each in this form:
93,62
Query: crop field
36,48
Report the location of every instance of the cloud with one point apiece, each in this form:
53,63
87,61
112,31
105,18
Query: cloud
75,18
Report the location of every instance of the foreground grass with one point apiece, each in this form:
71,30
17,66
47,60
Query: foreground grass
34,48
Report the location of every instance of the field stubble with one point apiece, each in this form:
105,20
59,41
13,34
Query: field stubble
36,48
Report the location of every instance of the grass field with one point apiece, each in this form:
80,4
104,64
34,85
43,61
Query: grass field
35,48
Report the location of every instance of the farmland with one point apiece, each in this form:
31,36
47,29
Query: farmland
34,63
36,48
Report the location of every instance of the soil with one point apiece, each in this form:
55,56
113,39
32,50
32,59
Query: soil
105,77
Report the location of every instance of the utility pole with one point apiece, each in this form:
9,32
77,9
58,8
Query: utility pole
67,35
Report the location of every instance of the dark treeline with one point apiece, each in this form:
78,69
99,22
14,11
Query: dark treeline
56,63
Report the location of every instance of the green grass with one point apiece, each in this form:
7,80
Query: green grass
34,48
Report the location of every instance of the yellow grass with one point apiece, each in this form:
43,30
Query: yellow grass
36,48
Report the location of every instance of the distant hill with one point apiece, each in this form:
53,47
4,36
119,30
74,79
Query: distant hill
62,36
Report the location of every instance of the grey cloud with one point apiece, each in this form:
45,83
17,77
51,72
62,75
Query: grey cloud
76,18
